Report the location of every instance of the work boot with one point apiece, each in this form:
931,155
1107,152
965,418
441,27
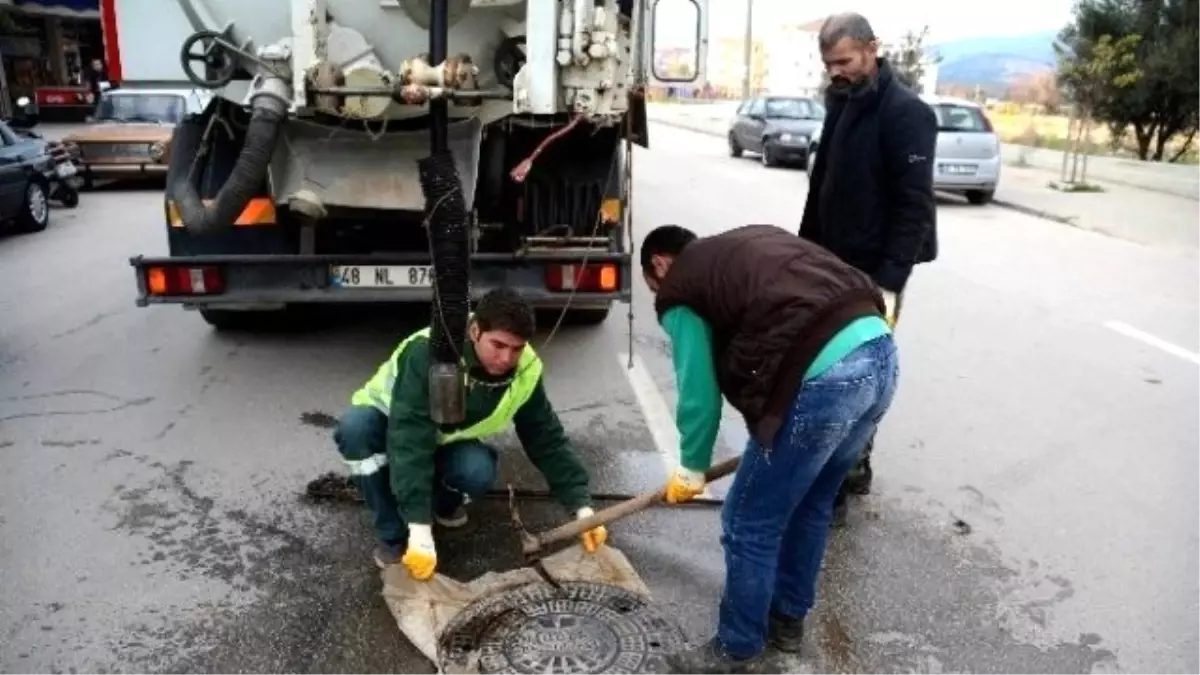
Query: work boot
388,554
457,518
710,657
858,481
840,509
786,633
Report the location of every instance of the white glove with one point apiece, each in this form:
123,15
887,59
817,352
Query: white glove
420,557
889,304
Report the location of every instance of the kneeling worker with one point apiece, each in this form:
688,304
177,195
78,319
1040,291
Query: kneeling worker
413,473
797,341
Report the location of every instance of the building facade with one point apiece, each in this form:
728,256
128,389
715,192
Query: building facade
46,47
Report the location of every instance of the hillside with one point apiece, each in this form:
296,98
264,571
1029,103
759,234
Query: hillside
994,63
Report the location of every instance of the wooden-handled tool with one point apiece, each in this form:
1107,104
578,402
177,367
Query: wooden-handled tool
534,544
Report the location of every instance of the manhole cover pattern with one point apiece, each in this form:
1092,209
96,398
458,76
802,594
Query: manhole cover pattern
582,628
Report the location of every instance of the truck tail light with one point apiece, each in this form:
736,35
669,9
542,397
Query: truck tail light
185,281
592,278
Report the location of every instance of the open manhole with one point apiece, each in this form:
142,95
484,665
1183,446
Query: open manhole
580,628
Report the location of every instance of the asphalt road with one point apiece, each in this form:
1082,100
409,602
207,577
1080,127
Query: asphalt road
1035,506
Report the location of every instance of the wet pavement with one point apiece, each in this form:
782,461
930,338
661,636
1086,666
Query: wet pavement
1035,506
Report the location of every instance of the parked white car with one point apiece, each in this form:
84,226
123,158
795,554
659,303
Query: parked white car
967,159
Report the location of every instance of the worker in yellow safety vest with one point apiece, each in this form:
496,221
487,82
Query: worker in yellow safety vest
413,473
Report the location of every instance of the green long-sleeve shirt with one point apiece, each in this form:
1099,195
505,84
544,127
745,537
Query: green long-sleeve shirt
698,410
412,435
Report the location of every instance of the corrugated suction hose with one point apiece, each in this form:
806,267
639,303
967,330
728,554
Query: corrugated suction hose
449,233
269,113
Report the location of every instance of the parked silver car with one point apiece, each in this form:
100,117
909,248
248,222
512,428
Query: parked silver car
778,128
967,159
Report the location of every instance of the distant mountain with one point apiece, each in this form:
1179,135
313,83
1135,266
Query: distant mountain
994,63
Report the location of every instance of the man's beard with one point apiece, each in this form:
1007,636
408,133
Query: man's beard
845,87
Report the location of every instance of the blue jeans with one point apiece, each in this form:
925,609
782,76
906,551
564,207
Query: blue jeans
461,470
777,513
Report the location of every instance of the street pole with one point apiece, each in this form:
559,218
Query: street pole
748,54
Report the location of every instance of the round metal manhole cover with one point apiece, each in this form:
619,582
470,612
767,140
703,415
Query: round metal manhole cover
580,628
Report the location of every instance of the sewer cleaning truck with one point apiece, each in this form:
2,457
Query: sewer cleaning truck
391,151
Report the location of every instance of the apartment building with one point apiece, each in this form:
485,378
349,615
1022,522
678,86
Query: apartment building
793,59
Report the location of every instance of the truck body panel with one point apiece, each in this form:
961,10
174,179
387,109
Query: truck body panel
543,105
147,35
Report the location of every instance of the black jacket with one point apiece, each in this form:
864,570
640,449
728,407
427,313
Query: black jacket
772,301
870,197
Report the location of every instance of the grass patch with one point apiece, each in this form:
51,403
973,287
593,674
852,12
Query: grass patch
1038,130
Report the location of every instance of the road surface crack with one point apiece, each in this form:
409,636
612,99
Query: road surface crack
122,405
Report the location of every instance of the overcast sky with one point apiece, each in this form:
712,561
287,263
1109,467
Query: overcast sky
947,19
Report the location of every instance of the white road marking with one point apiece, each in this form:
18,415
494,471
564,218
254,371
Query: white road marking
659,418
1174,350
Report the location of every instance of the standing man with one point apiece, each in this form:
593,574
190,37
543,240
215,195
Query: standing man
870,195
796,340
97,82
413,473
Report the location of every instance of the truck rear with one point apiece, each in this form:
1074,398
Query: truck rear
362,151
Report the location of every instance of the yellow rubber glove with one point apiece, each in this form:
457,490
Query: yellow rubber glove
594,538
889,303
421,557
684,485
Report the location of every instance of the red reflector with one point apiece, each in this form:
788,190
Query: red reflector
592,278
185,281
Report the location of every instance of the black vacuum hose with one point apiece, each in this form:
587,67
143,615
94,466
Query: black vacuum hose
243,182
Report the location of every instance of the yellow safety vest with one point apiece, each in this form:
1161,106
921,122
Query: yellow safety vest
377,393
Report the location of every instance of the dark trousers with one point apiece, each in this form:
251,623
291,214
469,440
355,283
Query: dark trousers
775,522
462,471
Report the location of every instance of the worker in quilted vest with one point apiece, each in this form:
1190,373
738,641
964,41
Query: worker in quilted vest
413,473
797,341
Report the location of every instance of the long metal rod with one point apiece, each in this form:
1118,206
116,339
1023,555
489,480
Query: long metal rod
544,495
613,513
439,36
748,47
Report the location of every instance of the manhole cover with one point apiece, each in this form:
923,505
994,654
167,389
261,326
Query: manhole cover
582,628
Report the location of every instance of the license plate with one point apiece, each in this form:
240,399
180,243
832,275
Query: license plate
959,169
65,170
382,276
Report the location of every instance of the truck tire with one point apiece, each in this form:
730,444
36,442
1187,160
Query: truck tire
224,320
592,316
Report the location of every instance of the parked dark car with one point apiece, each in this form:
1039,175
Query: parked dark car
26,171
778,128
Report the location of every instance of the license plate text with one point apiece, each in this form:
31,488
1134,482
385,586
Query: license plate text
382,276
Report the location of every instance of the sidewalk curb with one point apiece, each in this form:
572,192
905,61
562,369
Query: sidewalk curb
685,125
1036,213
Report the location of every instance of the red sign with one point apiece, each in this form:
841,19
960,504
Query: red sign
60,96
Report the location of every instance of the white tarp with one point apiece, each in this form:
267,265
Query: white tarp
423,609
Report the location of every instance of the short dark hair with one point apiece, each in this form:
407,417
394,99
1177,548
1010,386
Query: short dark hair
665,240
847,25
504,309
